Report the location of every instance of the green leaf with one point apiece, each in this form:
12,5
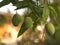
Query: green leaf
55,13
56,1
13,1
4,2
33,16
45,14
34,8
28,0
27,24
57,34
37,20
49,40
21,4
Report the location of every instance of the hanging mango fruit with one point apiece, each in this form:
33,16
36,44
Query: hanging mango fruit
17,19
50,28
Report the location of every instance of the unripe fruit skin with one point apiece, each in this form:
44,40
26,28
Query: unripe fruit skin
28,22
50,27
16,19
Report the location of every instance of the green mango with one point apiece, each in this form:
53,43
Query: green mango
17,19
50,28
27,24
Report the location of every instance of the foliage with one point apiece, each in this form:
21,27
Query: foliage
39,11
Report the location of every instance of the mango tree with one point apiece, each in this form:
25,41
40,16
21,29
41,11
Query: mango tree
38,12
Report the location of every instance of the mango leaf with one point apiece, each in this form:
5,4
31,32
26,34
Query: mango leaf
31,5
33,16
4,2
37,20
27,0
49,40
45,14
34,8
13,1
56,1
21,4
57,36
41,2
39,11
53,19
22,30
55,13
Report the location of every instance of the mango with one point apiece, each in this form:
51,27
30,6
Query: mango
28,22
17,19
50,28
